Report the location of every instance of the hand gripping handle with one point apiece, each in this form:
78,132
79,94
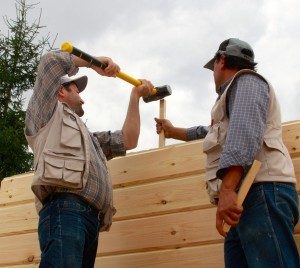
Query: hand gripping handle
67,47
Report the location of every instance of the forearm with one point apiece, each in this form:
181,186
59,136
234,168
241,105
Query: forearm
131,126
232,178
178,133
80,62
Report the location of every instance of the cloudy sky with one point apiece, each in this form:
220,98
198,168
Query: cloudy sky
168,42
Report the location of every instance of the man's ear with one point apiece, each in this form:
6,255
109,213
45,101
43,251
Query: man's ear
61,93
222,61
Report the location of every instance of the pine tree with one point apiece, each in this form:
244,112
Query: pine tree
20,53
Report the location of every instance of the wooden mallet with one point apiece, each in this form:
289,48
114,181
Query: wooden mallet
244,189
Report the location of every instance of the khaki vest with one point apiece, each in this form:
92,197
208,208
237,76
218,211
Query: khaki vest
274,156
61,152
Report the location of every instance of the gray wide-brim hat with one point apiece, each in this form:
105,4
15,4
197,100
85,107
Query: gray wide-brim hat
80,81
233,47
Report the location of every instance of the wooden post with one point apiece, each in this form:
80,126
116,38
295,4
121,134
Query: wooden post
162,115
244,189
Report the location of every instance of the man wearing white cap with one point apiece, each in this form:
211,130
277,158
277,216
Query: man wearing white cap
71,181
246,125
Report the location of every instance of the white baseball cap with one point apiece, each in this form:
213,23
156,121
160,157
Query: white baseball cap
80,81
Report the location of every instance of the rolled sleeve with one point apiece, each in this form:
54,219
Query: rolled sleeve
248,104
112,143
197,132
44,99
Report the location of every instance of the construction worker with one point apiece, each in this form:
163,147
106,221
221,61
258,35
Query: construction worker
246,125
71,181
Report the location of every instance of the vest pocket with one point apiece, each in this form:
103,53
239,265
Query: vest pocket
276,157
212,139
70,133
73,171
63,171
53,167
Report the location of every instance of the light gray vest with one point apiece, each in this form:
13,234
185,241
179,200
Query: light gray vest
61,152
274,156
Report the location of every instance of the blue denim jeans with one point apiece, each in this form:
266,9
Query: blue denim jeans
264,235
68,233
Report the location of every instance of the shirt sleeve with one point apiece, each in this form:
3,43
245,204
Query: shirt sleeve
197,132
44,99
247,105
112,143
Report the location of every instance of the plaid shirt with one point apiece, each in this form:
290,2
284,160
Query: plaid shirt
247,107
103,145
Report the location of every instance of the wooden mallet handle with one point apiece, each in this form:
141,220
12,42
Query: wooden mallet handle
162,115
244,189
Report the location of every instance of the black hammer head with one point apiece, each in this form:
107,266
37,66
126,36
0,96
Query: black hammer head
161,92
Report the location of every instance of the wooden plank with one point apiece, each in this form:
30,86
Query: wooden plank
244,188
165,231
18,219
176,160
167,196
162,115
191,257
168,162
198,256
158,232
164,163
16,189
291,137
12,191
19,249
33,265
174,195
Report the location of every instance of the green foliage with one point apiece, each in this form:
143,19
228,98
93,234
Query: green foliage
14,155
20,53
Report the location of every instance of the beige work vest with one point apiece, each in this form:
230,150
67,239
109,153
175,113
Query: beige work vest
274,156
61,152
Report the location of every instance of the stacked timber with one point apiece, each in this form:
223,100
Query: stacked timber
164,218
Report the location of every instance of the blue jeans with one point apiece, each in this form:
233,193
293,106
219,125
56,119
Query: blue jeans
68,233
264,235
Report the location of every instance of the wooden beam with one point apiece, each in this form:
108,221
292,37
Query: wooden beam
192,257
162,115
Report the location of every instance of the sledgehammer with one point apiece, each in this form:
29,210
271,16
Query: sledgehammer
157,92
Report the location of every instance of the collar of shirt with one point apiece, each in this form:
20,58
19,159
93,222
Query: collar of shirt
222,88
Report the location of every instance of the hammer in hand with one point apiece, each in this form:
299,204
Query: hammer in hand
157,92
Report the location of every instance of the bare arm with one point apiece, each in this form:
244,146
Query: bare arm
111,70
228,209
131,126
169,130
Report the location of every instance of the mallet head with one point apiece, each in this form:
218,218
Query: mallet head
160,93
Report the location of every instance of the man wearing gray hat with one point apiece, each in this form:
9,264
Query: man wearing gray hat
246,125
71,180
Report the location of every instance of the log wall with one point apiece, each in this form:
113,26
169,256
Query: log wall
164,218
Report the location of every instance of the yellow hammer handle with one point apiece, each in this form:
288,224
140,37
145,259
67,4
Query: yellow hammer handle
68,47
129,79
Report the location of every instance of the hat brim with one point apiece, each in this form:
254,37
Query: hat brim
210,64
81,82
